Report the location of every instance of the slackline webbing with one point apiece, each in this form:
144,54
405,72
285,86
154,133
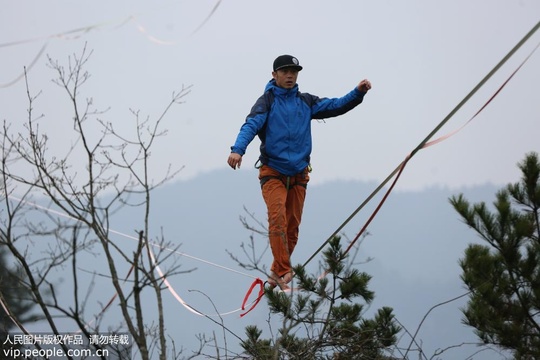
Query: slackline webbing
423,142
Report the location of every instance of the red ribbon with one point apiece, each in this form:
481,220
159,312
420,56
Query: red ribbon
259,282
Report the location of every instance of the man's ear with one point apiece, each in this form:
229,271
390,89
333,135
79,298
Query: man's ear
274,74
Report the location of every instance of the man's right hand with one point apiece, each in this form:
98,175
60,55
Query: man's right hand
235,160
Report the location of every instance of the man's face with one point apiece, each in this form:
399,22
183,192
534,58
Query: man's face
286,77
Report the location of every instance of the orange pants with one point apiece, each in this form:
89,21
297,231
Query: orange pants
284,197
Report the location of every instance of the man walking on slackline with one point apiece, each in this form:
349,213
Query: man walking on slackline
281,118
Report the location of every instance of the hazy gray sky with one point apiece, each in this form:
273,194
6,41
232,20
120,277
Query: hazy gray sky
422,57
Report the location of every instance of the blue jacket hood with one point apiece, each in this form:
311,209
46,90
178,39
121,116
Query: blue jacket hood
271,85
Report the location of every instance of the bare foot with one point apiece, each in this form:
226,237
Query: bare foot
287,278
275,280
272,280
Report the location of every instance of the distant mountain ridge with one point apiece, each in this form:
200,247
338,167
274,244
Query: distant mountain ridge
215,201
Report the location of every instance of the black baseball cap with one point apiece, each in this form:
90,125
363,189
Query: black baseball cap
284,61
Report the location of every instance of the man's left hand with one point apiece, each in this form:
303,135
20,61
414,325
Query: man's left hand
364,85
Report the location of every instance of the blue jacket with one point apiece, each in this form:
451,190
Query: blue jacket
282,120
